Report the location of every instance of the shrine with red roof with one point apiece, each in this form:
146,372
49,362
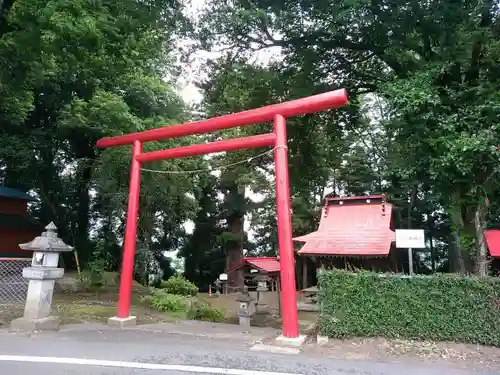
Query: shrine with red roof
354,232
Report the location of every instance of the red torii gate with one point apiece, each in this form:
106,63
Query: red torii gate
277,139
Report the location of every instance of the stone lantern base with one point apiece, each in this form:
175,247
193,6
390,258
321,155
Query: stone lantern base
50,323
37,310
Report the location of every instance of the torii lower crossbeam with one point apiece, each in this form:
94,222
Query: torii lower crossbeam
277,139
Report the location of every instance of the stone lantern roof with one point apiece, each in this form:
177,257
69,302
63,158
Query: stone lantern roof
47,242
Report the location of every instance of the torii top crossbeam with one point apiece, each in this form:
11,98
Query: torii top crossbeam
303,106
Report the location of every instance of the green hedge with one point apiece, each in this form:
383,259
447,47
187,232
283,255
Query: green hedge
440,308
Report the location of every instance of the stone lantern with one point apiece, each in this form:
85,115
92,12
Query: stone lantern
245,310
262,283
261,307
42,276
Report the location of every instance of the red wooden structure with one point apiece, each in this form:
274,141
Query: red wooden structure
16,226
278,139
250,267
357,228
352,226
492,238
264,264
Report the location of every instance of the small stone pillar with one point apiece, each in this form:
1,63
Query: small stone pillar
261,308
42,276
245,310
218,285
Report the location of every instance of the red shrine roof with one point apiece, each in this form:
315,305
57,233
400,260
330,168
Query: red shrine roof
352,226
266,264
492,237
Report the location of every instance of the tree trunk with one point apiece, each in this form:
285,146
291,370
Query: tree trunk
46,180
411,204
235,253
430,228
83,211
481,261
433,254
236,223
455,252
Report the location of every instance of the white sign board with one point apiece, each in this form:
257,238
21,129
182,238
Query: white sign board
223,277
410,238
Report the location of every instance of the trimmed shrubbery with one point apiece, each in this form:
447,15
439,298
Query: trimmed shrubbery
442,307
179,295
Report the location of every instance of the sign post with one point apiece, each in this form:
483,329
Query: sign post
410,239
223,278
410,261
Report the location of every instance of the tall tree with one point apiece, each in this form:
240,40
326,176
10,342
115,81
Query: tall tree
70,73
433,64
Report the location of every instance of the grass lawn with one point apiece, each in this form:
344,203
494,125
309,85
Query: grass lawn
100,304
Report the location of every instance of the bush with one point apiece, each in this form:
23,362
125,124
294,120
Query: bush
93,276
180,286
195,309
205,312
441,308
168,302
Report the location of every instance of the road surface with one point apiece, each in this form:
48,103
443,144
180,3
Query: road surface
126,352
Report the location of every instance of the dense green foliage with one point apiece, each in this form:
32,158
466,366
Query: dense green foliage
180,286
70,73
168,302
203,311
426,133
440,307
177,295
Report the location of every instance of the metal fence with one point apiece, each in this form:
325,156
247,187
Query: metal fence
13,287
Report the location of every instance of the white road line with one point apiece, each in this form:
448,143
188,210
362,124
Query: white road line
138,365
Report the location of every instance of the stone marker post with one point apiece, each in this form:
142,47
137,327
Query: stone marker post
218,284
261,307
245,307
42,276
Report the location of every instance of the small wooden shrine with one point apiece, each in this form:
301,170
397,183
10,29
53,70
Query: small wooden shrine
258,269
354,232
262,278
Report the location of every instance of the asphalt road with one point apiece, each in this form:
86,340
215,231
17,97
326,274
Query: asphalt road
127,352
